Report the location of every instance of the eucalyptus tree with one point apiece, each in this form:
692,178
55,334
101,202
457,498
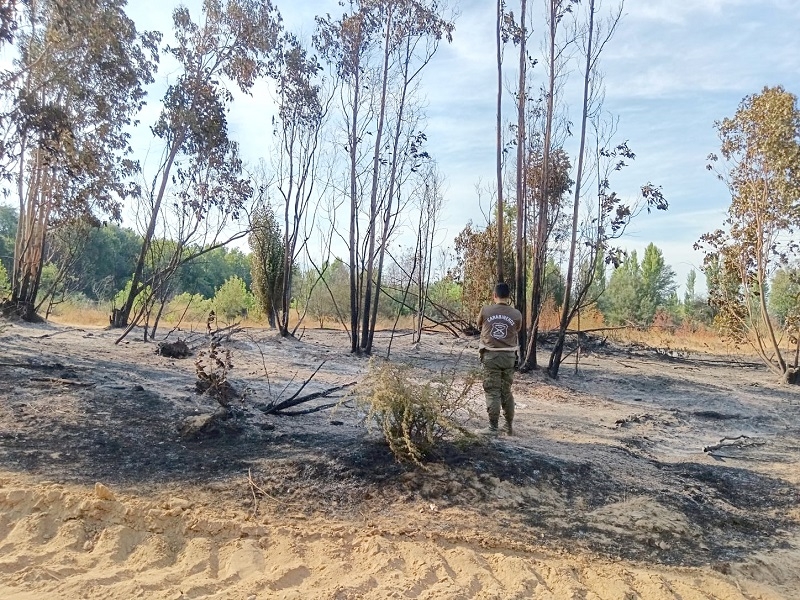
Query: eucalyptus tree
68,102
520,255
760,164
605,219
555,225
499,275
556,44
233,42
430,204
347,45
208,195
304,100
381,47
595,37
418,29
507,29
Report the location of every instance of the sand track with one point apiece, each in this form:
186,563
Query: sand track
64,542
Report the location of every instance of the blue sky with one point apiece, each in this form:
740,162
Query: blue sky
673,68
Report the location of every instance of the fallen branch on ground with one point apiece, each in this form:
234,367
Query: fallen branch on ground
64,381
55,333
740,441
591,330
308,411
33,367
280,407
446,323
196,340
226,333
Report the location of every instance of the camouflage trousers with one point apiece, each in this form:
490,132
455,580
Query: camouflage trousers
498,375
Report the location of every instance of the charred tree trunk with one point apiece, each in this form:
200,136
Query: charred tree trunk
367,327
355,271
520,279
120,318
567,310
540,242
499,142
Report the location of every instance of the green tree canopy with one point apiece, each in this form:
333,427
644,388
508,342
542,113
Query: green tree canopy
620,303
657,285
8,231
637,291
205,274
266,262
784,296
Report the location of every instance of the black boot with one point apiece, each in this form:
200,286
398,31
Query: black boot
492,429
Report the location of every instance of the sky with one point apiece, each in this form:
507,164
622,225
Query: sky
673,68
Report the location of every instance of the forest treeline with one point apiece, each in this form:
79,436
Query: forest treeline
349,174
638,293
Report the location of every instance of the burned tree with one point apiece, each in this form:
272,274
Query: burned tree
234,41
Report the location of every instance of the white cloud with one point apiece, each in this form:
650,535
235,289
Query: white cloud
670,11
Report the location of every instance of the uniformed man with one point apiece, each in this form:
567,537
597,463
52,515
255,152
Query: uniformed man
499,324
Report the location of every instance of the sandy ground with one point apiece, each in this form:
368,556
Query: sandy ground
604,492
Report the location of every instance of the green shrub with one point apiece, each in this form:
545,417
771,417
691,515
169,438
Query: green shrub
119,299
5,284
232,299
194,308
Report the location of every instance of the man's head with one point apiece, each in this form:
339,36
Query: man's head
502,291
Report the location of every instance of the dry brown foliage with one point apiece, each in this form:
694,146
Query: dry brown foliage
414,413
212,367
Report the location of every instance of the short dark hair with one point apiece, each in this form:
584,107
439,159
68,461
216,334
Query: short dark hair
501,290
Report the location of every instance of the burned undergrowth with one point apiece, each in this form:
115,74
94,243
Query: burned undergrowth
608,489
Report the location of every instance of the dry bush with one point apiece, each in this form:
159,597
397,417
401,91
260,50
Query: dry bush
212,367
414,414
590,318
549,317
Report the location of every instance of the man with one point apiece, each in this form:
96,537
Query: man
499,324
